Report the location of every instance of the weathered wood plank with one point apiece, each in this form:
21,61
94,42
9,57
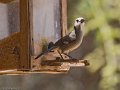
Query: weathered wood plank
73,62
24,35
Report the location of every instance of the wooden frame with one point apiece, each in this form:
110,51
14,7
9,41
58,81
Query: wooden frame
19,40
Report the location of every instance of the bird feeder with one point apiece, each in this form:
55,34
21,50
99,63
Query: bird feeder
27,26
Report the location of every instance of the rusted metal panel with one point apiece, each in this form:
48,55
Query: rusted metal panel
24,35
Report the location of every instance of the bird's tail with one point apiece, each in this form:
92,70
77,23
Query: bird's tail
45,52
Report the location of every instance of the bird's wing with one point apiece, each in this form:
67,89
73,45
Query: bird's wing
66,39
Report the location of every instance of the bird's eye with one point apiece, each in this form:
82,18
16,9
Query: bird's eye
77,20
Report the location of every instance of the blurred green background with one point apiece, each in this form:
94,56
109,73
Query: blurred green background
103,21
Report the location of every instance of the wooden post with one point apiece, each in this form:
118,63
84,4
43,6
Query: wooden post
63,12
25,35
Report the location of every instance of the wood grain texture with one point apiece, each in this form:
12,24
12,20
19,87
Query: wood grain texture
9,52
63,9
8,45
24,35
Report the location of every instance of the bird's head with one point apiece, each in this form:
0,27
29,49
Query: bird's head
79,22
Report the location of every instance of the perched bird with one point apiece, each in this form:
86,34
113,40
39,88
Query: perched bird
69,42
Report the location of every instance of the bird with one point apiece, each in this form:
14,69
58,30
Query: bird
69,42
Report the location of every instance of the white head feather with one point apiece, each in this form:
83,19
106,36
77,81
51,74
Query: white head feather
79,21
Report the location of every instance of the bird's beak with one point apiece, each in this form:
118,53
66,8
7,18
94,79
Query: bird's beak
82,20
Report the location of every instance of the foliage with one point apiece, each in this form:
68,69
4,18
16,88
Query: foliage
103,16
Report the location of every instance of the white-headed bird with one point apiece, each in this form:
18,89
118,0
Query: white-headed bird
69,42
